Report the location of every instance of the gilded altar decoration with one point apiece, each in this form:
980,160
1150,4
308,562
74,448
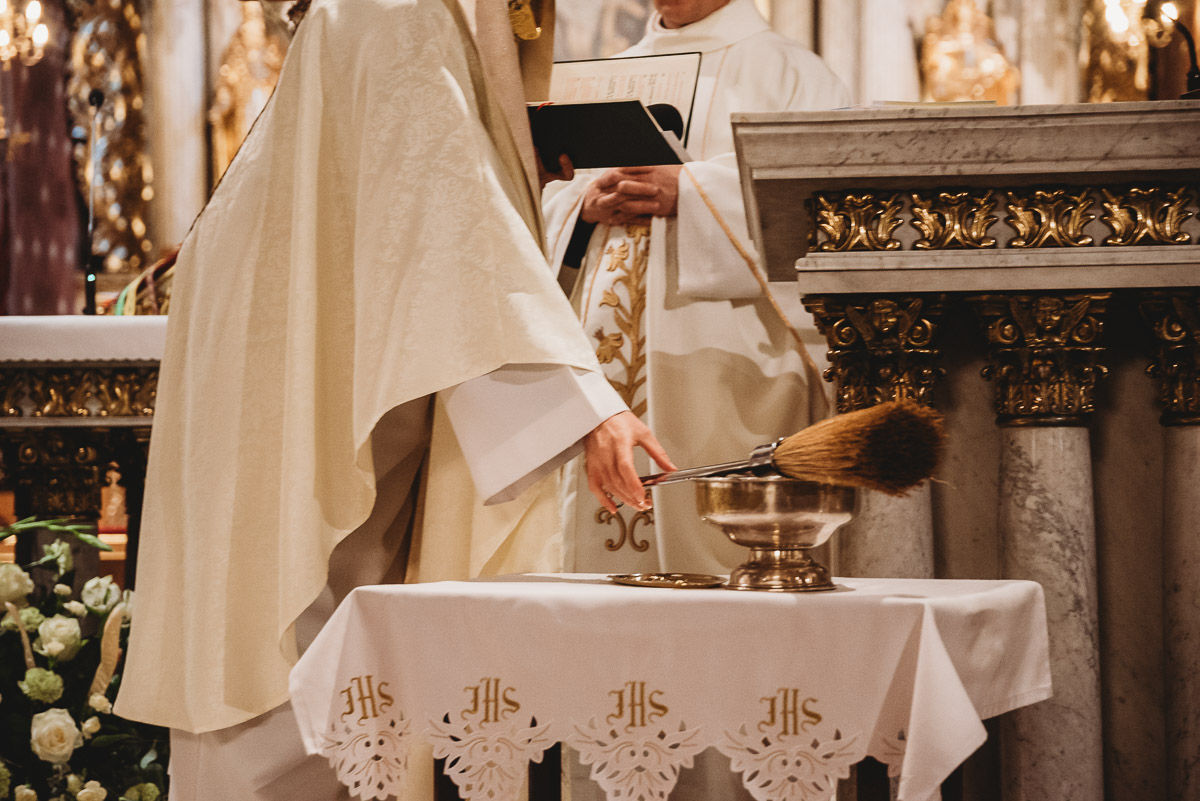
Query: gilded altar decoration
858,222
488,749
1044,354
249,70
627,531
953,220
962,60
1174,317
1116,54
107,54
1049,218
1153,216
80,392
880,349
639,749
523,21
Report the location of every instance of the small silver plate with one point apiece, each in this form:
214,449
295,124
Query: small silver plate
679,581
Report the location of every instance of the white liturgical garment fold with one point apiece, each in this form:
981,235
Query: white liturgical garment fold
794,688
363,250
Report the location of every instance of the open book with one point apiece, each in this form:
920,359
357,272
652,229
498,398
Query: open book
620,112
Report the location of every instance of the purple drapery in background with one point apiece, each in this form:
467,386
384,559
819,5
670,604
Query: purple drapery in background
39,213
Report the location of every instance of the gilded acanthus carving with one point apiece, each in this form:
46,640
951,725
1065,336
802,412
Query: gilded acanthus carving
1049,219
1044,354
880,349
1154,215
1174,317
1036,217
858,222
953,220
40,391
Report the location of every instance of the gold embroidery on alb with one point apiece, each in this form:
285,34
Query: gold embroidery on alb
489,701
788,713
637,705
366,698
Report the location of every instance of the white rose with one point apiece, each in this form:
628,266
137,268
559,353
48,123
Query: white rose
100,703
74,783
90,726
100,594
59,629
92,791
53,736
75,608
15,583
63,590
25,793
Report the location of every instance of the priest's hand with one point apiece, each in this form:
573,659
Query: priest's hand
566,171
608,456
632,195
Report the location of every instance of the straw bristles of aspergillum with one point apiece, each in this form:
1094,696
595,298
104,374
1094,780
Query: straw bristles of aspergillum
891,447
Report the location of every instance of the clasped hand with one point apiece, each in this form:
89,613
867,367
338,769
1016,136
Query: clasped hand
632,195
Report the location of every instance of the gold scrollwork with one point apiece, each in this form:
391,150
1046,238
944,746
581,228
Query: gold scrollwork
627,530
858,222
1154,215
1049,218
1044,354
1174,317
953,220
880,349
78,392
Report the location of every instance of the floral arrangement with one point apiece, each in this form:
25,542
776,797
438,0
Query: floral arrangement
60,660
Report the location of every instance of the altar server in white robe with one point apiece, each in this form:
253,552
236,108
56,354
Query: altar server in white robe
677,318
365,345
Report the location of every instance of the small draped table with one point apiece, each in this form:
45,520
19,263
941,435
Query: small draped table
793,688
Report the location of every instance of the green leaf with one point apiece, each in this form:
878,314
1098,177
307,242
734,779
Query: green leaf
106,740
150,756
92,540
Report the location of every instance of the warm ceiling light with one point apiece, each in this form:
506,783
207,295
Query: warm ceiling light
1169,11
33,11
41,35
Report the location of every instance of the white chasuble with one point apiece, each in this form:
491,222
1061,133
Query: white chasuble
371,246
678,320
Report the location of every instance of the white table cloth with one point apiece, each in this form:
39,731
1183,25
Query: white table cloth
82,338
794,688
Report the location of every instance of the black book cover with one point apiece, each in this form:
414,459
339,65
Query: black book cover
611,133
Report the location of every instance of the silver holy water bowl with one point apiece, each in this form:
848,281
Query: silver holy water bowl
779,519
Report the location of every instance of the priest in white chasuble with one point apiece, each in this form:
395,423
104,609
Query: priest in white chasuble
667,293
365,345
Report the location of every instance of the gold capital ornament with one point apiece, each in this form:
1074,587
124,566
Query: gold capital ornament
1174,317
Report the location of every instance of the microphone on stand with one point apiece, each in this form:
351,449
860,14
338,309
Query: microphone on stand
92,265
1193,74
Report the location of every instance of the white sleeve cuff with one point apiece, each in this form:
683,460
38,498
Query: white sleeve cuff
517,424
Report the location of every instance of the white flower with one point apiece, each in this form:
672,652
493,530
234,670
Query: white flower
53,736
74,783
100,594
59,629
25,793
90,726
15,583
75,608
92,791
63,590
127,599
100,703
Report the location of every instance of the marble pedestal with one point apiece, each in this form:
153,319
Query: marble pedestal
1181,609
1054,750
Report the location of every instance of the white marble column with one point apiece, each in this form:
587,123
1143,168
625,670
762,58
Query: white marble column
1181,608
176,100
889,537
1053,750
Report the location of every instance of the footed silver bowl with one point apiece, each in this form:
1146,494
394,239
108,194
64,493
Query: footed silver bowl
779,519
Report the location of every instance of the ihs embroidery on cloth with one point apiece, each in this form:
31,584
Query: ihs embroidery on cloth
784,757
637,752
488,753
367,745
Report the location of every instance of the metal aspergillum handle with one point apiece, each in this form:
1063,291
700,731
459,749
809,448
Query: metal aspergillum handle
759,463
